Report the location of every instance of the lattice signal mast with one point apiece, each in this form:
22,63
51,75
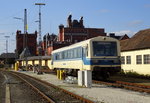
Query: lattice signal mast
39,4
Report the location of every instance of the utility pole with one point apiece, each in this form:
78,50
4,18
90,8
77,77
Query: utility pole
7,43
25,37
39,4
25,28
40,40
25,20
6,60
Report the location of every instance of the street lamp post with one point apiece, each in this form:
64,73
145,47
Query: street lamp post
6,50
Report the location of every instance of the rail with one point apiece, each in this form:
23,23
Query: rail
35,89
126,85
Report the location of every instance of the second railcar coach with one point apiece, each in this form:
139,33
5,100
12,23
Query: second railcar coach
101,55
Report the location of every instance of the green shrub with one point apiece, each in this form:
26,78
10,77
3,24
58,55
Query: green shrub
134,75
1,65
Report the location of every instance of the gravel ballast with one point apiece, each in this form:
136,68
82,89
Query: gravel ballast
98,93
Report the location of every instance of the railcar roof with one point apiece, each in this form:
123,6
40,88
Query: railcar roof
85,41
37,58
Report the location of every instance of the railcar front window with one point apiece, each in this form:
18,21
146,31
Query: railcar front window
104,48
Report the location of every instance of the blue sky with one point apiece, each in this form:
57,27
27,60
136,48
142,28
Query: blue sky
118,16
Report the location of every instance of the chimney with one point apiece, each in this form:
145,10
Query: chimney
111,34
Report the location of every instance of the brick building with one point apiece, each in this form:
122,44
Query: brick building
50,43
30,42
74,32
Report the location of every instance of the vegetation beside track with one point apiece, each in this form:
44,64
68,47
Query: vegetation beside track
132,77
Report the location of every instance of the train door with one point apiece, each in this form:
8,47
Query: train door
85,51
84,55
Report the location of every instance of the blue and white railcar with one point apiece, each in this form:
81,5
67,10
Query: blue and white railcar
100,54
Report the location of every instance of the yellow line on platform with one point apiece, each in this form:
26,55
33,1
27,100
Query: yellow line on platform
7,95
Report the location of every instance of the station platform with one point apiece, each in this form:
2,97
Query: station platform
97,93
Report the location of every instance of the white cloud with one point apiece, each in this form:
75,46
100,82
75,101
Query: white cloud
3,31
135,23
123,32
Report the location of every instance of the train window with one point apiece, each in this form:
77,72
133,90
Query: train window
69,54
104,48
53,57
60,56
65,54
75,52
56,57
79,54
72,53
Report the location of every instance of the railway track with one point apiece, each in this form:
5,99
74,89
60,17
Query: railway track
17,91
126,85
50,92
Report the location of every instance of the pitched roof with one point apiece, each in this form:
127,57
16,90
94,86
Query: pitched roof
140,40
119,37
36,58
25,53
8,55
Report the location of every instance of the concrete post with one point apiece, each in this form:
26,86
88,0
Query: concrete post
88,78
80,78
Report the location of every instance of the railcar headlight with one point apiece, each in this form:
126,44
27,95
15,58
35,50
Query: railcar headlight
116,61
95,61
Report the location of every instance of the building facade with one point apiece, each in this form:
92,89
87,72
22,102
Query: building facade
135,53
136,61
23,40
74,32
